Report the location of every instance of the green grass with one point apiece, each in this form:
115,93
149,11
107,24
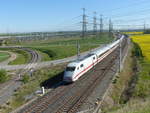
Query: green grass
3,76
4,56
143,85
66,47
44,56
58,48
59,52
140,100
142,89
135,106
63,41
22,56
31,86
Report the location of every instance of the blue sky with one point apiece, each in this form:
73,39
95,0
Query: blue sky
51,15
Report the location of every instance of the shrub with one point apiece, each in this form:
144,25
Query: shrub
25,79
3,76
137,51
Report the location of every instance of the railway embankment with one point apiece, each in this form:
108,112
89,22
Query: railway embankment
118,86
26,93
129,92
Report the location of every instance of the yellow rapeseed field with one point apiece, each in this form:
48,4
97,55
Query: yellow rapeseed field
134,33
144,43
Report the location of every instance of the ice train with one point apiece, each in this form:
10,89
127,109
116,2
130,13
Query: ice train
76,69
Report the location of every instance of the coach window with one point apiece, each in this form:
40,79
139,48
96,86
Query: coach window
81,65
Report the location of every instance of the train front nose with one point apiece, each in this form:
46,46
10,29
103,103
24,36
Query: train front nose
68,76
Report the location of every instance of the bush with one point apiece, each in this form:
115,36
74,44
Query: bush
3,76
25,79
137,51
50,53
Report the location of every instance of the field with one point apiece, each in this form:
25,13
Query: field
133,33
4,56
144,43
131,92
22,56
140,100
143,85
58,48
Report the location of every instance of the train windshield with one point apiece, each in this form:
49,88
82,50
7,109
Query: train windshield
70,68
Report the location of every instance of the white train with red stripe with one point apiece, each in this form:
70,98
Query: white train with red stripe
77,68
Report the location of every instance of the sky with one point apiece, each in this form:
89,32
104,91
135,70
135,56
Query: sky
55,15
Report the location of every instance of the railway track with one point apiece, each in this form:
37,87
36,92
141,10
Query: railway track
15,82
34,54
50,102
73,103
68,98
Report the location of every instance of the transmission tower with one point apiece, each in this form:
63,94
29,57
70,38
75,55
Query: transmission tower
94,24
84,23
101,24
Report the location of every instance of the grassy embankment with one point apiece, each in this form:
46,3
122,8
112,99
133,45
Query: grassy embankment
22,56
143,85
59,48
4,76
33,83
135,80
26,92
4,56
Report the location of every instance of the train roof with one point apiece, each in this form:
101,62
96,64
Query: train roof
100,50
76,62
72,64
96,52
88,55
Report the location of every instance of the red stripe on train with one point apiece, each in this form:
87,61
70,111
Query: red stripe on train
101,58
